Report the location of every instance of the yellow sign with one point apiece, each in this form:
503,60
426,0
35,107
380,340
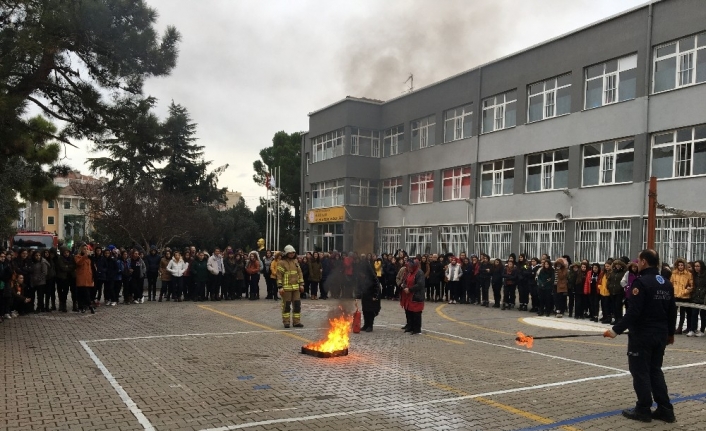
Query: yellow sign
327,215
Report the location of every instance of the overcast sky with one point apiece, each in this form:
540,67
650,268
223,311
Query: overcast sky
250,68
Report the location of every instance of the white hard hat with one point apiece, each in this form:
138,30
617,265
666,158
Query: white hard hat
289,249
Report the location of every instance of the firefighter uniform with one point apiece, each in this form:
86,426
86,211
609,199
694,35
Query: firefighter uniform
290,280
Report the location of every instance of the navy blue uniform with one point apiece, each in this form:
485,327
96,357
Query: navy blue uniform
651,318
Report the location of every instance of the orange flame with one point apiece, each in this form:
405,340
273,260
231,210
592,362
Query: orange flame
524,340
338,337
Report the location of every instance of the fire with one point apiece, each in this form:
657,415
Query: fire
338,337
524,340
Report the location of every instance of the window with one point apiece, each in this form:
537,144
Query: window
308,162
611,82
67,205
494,240
679,63
327,194
548,171
391,192
424,133
453,239
82,205
550,98
50,220
393,138
389,239
307,201
328,236
679,237
364,193
499,112
608,163
596,241
418,240
328,146
365,142
679,153
50,204
456,184
421,188
457,123
539,238
497,178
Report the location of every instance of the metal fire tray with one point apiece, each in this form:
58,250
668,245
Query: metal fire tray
318,354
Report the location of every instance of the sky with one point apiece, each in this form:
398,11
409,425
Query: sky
250,68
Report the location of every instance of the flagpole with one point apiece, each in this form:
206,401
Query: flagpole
267,212
279,191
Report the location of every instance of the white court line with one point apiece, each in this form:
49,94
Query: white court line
205,334
141,418
530,351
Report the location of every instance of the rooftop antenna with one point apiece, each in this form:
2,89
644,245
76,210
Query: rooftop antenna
411,83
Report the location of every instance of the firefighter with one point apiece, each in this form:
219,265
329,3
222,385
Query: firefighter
290,283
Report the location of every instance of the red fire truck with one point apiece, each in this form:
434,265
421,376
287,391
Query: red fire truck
34,240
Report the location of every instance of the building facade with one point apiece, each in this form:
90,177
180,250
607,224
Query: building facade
548,150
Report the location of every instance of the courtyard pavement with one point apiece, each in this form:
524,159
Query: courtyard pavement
230,365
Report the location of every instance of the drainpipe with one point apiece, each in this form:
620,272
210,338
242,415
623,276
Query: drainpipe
648,81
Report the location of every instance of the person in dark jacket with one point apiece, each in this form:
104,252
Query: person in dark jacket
152,265
496,279
523,285
370,294
66,278
39,269
5,286
315,275
698,297
484,276
50,288
511,276
651,319
304,265
108,267
617,294
545,285
389,271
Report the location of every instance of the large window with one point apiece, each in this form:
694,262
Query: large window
327,194
497,178
679,237
453,239
456,184
550,98
457,123
308,162
598,240
364,193
539,238
608,162
391,192
548,171
389,239
328,236
679,153
500,112
365,142
423,133
610,82
421,188
307,201
418,240
679,63
494,240
67,204
328,146
394,137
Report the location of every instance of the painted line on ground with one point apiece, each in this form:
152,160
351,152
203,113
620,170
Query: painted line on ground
141,418
258,325
444,339
593,416
205,334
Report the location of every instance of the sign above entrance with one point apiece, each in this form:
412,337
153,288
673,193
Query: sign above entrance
327,215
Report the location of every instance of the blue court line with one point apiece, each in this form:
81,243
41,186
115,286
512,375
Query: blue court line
586,418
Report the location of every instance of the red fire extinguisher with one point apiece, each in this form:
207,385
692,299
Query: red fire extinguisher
356,319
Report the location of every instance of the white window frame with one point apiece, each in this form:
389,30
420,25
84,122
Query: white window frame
498,177
495,240
328,145
497,107
359,137
598,240
365,187
679,156
610,80
335,191
418,240
452,239
391,187
307,201
608,159
389,239
679,238
394,136
425,128
308,162
550,87
680,54
456,176
424,195
461,120
548,168
539,238
51,220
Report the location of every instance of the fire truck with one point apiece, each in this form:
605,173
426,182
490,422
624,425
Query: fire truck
34,240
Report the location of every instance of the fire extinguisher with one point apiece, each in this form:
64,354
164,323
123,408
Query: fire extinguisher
356,319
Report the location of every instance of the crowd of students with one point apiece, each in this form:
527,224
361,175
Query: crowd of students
94,276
